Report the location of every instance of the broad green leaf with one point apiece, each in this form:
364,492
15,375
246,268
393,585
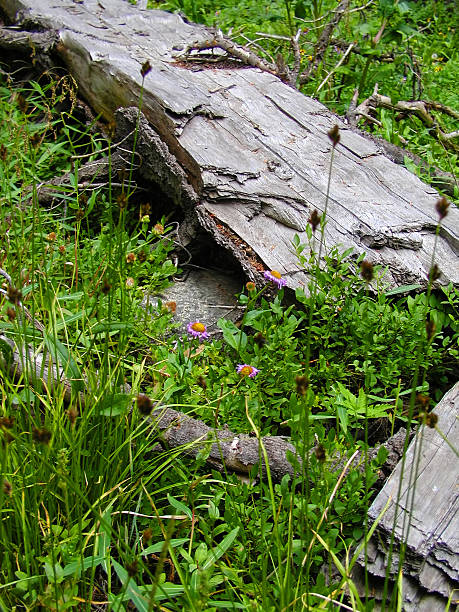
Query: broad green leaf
132,591
220,549
178,505
75,567
156,548
114,405
62,357
102,328
343,417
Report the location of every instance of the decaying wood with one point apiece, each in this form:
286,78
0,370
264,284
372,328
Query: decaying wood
252,153
425,515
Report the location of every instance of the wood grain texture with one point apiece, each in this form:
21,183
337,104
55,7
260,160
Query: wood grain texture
254,150
426,515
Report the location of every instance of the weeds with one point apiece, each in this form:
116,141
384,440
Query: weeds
92,514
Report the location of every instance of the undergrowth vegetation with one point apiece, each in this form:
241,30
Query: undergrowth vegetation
93,515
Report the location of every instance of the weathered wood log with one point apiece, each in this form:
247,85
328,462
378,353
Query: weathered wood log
246,155
426,515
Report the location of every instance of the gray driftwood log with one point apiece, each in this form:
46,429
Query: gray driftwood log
427,514
244,154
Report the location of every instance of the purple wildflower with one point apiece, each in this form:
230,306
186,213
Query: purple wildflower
247,370
275,277
197,330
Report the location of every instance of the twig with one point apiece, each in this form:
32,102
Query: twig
418,108
348,50
323,42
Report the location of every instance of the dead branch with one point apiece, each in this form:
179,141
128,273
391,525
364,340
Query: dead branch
419,108
233,50
323,42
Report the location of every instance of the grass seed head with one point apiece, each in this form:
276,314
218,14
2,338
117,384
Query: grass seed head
320,453
367,271
41,435
434,273
441,207
105,289
144,404
259,339
430,329
6,422
14,295
334,135
314,219
302,385
146,68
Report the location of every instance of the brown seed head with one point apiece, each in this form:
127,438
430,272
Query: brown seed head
147,535
35,139
62,249
7,422
72,414
430,329
142,256
202,382
367,271
320,452
441,207
14,295
51,237
11,314
7,488
130,258
146,68
158,229
422,401
302,385
22,103
145,209
144,404
105,289
431,420
434,273
171,306
111,129
334,135
132,568
43,436
122,201
259,339
79,214
3,153
314,220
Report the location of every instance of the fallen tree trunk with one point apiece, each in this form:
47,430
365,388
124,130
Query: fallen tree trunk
245,155
423,515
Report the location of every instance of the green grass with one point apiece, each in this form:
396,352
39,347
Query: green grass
86,504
